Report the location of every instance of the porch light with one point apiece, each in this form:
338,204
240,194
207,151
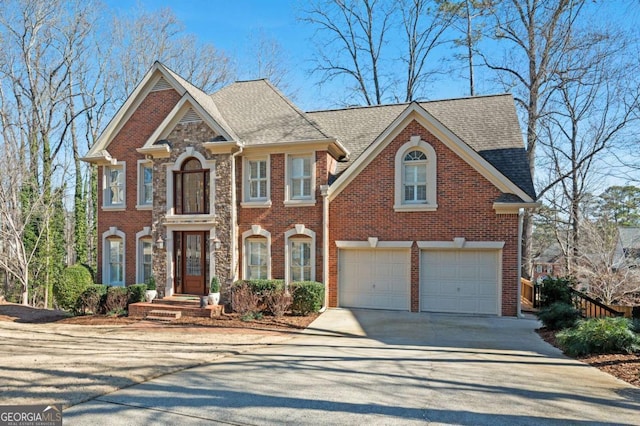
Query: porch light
216,243
160,242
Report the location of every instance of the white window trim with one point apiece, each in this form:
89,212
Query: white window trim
106,177
302,202
113,232
206,164
141,205
292,234
258,203
415,143
145,233
255,231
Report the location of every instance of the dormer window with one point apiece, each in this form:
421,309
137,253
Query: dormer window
191,188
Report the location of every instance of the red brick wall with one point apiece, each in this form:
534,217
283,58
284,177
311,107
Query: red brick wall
465,199
144,121
278,219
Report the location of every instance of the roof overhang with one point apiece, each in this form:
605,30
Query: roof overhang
334,147
514,208
416,112
100,158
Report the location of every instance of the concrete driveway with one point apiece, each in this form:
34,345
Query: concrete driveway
377,367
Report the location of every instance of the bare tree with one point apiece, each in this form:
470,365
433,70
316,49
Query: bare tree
268,60
356,32
608,274
588,115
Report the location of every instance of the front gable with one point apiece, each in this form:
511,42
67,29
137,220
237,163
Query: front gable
415,113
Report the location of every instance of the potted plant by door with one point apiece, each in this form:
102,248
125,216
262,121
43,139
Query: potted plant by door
151,292
214,291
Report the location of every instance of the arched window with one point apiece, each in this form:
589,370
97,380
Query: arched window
191,188
415,177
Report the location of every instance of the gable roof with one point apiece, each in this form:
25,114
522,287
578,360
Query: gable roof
261,114
487,124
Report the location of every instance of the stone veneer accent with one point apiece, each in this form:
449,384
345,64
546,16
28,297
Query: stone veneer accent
193,135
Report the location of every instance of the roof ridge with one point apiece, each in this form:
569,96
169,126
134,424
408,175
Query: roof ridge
356,107
295,108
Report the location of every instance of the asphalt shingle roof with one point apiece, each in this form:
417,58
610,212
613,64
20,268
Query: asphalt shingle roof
488,124
260,114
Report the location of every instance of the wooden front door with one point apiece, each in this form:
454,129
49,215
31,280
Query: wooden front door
193,262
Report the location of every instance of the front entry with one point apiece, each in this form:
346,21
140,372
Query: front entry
191,262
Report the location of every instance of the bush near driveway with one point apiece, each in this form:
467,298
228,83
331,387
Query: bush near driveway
91,300
261,296
558,316
307,297
599,336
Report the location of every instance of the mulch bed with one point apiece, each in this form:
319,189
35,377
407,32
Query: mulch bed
26,314
623,366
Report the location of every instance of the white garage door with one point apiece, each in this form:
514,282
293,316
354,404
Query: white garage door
376,279
460,281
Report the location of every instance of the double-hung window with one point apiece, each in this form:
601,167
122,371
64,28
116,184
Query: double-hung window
300,262
415,177
114,186
145,257
115,247
257,180
145,184
300,179
257,258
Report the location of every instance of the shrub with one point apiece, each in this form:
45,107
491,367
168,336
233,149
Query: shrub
558,316
556,290
244,300
137,293
151,283
599,336
214,287
75,279
263,287
278,302
116,299
91,299
307,297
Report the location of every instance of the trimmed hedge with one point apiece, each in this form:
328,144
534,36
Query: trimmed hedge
558,316
91,300
75,279
599,336
116,299
308,297
261,287
137,293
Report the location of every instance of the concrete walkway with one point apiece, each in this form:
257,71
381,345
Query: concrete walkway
377,367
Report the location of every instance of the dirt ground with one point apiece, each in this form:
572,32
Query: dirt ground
47,357
623,366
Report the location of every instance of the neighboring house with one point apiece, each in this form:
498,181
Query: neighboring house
628,244
549,263
408,207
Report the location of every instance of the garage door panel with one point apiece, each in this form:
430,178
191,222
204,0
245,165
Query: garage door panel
459,281
376,278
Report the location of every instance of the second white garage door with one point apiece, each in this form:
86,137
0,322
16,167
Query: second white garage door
375,279
460,281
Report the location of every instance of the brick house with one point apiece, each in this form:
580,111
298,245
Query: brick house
409,207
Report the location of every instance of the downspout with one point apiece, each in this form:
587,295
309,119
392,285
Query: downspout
234,216
519,286
324,191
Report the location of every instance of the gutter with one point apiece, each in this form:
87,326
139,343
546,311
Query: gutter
519,286
324,191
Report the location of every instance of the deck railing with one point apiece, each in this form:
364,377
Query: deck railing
591,308
530,292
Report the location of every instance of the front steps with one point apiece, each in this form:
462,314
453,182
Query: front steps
174,307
